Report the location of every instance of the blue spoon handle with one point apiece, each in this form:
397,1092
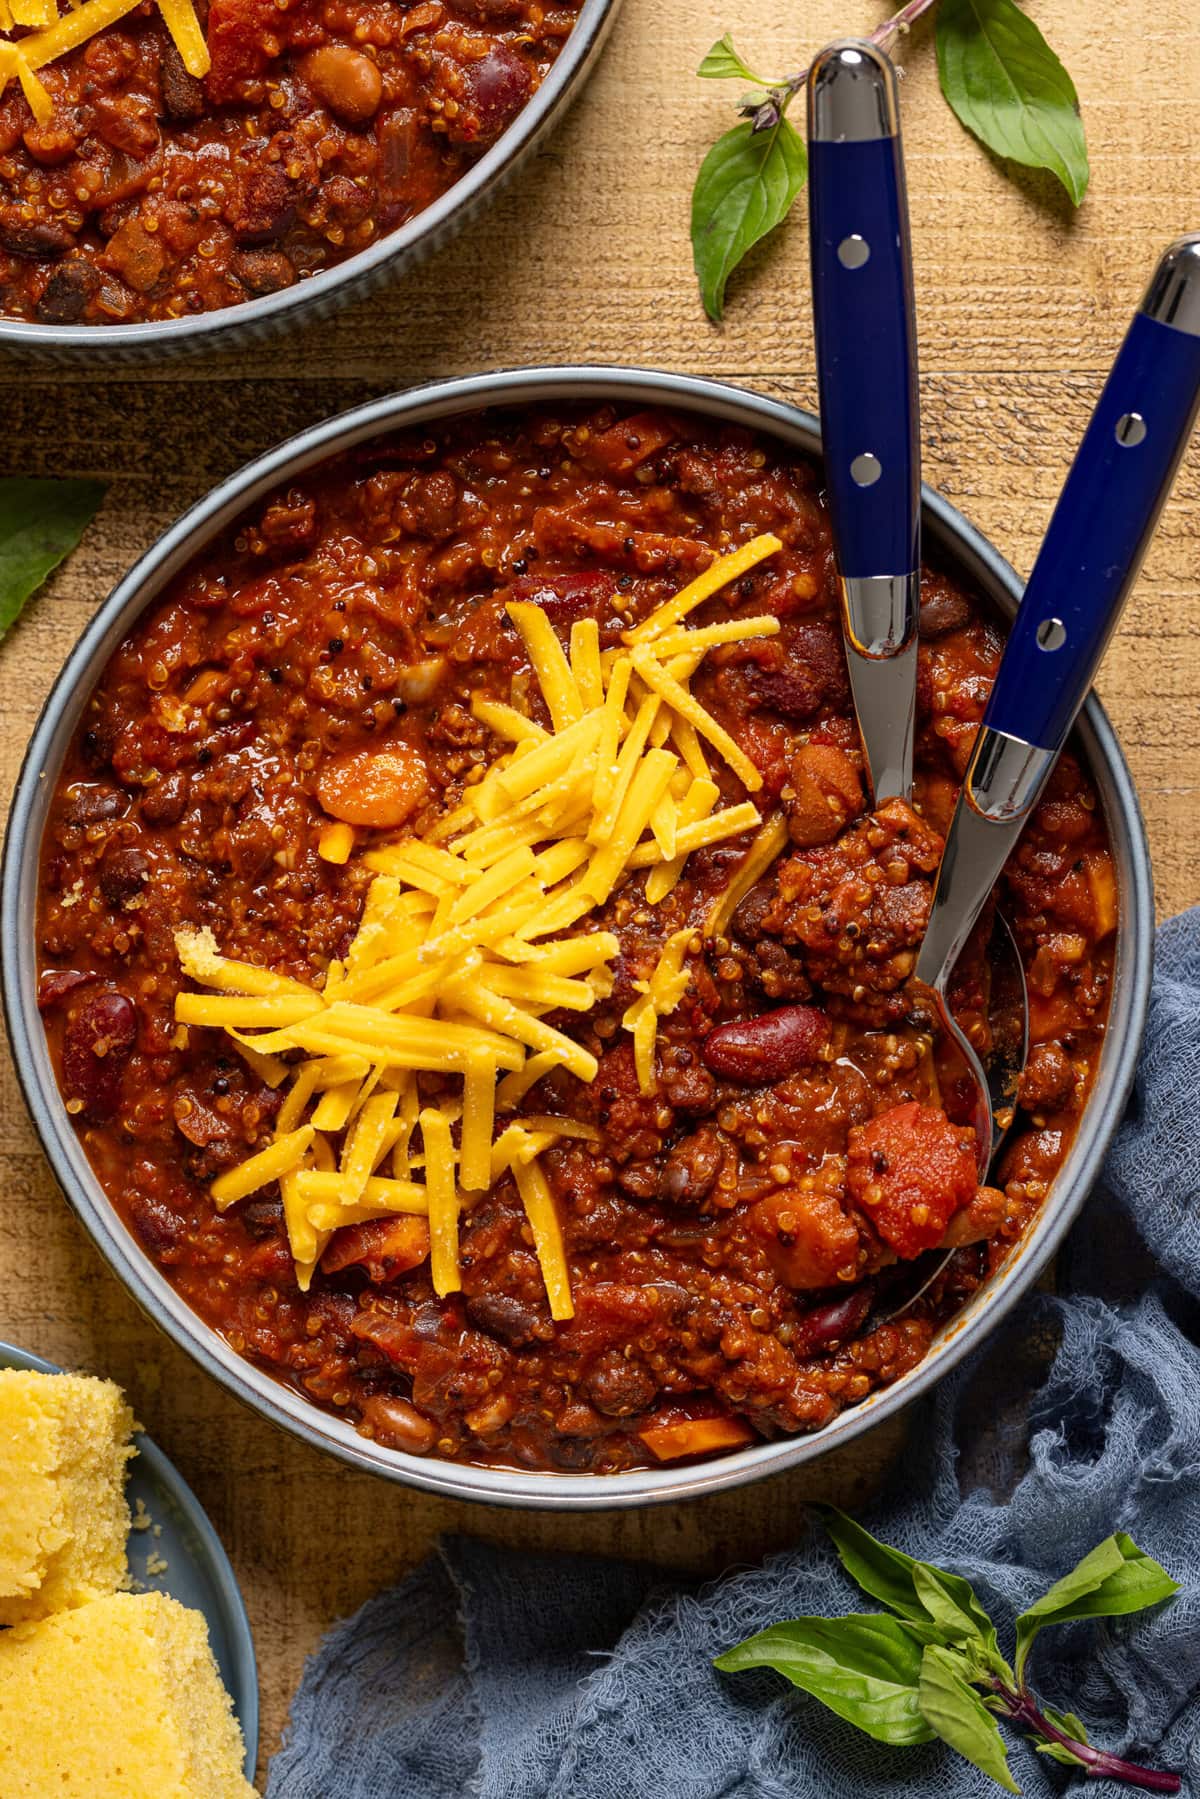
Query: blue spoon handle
1088,563
867,375
863,312
1107,513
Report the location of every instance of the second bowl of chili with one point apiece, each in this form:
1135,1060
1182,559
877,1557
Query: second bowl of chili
163,188
320,663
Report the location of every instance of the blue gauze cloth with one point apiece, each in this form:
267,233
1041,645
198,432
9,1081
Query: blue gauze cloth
509,1676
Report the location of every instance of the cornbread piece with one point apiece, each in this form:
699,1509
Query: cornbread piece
119,1699
64,1443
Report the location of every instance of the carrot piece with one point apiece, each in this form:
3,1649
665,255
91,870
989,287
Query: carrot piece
695,1436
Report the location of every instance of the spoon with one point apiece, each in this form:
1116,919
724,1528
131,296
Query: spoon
866,343
1083,575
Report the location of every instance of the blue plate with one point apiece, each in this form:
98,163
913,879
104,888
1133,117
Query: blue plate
197,1570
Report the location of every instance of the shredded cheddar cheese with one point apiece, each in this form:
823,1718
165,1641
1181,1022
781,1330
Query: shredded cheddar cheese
52,36
468,937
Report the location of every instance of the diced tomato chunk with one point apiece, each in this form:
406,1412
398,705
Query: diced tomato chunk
243,37
910,1170
385,1247
630,442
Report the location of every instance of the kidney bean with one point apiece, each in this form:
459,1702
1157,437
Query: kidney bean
497,87
159,1229
503,1316
123,874
97,1043
56,984
619,1388
165,802
397,1424
89,803
767,1048
837,1320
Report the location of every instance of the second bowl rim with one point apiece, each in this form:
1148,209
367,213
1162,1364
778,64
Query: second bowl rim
984,567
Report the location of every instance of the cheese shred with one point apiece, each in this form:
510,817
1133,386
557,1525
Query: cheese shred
470,935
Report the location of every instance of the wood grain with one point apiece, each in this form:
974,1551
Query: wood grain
1021,305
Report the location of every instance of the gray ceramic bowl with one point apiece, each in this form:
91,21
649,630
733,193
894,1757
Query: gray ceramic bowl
321,294
951,540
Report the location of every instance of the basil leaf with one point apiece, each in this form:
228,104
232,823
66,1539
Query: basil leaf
952,1708
865,1667
1010,89
1068,1723
1070,1726
40,523
1057,1753
724,63
951,1603
745,187
1115,1578
917,1591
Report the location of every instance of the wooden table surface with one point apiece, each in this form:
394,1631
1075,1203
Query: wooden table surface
1021,305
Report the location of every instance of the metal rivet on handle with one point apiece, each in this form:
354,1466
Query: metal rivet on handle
1131,430
1051,634
866,469
854,251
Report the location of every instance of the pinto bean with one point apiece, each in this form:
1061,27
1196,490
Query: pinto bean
691,1168
943,610
348,82
825,794
768,1048
97,1043
397,1424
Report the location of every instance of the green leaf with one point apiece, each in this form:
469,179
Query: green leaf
865,1667
1070,1726
745,187
40,523
1009,88
1068,1723
954,1710
1114,1579
917,1591
724,63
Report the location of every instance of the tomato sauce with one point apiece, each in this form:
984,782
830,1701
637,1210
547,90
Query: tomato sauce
732,1238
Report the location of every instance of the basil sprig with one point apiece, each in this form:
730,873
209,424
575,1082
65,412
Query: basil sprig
749,178
40,523
1000,76
930,1666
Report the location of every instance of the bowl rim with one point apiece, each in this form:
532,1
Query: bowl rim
423,231
949,535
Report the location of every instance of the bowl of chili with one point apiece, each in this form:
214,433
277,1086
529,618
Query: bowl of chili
168,188
666,1291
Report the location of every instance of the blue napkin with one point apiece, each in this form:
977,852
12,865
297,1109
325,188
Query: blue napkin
512,1676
